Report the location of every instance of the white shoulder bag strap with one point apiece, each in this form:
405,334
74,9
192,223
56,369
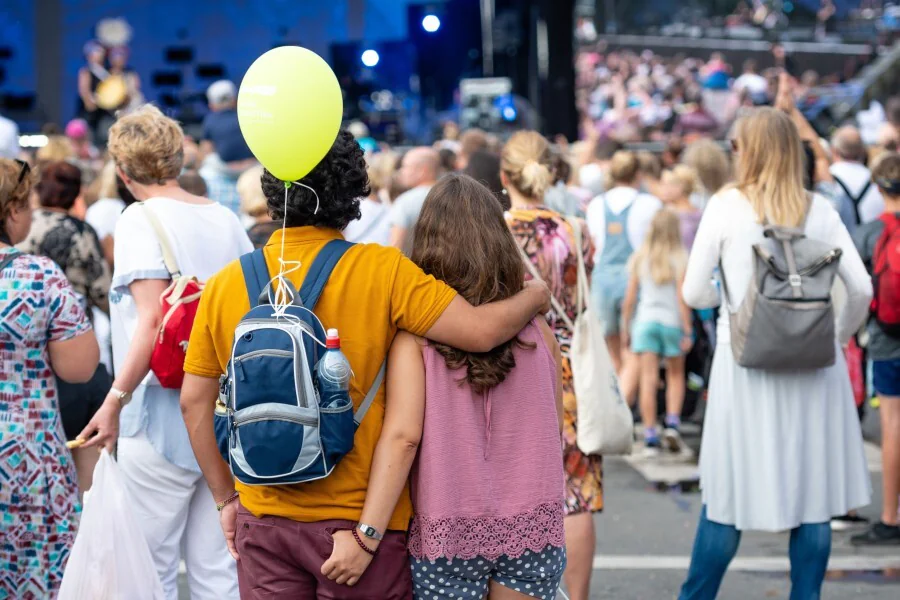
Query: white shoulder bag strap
584,288
163,239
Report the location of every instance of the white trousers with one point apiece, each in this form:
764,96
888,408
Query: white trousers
177,514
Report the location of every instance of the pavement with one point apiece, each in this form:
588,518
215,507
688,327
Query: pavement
645,535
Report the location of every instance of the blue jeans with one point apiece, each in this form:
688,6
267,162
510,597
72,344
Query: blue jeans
716,544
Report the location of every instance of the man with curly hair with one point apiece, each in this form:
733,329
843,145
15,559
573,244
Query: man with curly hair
298,541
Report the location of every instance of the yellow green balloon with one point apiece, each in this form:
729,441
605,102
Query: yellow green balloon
290,108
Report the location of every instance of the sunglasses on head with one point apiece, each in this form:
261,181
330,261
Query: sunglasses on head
24,169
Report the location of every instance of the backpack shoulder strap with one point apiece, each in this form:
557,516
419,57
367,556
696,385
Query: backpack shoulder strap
854,200
360,413
256,274
163,239
321,270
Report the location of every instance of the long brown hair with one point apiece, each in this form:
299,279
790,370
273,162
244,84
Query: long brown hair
462,239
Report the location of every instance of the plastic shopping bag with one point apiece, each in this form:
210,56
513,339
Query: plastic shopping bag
110,559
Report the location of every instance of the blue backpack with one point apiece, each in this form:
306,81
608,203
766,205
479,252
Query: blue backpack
269,425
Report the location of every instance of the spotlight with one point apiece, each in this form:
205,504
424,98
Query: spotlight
370,58
431,23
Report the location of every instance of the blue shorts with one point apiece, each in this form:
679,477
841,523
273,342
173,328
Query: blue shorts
886,377
535,574
654,338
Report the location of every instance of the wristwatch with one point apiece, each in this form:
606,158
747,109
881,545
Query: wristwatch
123,397
370,532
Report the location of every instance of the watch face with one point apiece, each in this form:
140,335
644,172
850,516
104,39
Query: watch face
369,531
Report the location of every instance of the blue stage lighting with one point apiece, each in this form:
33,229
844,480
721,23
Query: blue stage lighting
370,58
431,23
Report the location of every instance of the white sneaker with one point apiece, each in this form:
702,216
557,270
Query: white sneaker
672,441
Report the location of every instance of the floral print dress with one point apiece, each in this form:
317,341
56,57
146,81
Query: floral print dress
38,487
549,241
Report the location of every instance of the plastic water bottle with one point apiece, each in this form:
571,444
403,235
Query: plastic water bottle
333,373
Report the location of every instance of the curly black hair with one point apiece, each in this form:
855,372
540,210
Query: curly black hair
340,180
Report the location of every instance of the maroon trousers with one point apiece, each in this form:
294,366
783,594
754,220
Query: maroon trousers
281,558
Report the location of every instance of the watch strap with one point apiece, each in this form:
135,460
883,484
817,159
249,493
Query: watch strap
123,397
370,532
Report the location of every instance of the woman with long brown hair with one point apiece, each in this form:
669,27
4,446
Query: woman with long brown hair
469,411
782,450
547,239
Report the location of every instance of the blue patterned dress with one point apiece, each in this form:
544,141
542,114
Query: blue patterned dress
38,488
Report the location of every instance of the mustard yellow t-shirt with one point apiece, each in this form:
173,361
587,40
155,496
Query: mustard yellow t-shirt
373,291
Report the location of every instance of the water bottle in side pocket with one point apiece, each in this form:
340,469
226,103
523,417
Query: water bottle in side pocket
333,373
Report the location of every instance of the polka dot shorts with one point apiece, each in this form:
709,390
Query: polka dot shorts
536,574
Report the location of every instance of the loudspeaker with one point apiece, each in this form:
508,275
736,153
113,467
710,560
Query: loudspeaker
166,78
17,102
211,71
179,54
534,46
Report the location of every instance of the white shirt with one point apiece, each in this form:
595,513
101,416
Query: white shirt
855,176
592,177
373,227
203,238
755,84
103,215
620,198
9,139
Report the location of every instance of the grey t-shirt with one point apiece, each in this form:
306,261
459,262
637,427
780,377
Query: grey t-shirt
405,212
408,205
881,345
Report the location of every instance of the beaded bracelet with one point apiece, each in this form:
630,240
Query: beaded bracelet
368,550
220,505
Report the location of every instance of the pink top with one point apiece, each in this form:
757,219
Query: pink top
489,477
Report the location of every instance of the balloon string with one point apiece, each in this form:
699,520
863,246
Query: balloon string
284,296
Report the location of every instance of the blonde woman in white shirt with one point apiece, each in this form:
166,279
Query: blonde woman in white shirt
170,497
781,450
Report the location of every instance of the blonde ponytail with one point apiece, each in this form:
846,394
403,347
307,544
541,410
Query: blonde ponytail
527,163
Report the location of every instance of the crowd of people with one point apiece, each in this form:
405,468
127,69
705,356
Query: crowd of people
464,278
647,97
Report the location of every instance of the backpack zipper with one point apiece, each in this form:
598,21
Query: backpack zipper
307,329
825,260
267,352
822,262
309,421
239,360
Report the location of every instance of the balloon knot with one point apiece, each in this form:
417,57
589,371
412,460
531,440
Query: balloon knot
287,184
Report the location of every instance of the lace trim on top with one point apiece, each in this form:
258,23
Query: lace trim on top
488,537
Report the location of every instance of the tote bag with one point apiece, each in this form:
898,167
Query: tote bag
605,424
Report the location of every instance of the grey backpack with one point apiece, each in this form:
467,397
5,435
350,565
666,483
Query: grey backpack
786,321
